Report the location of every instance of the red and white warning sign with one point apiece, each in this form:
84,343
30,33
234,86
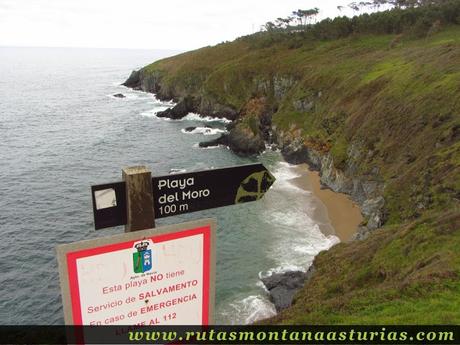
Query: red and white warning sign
162,276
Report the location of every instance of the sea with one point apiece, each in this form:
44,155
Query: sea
62,130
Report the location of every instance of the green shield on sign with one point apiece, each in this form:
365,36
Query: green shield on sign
137,262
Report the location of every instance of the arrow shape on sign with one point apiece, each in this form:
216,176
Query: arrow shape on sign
189,192
201,190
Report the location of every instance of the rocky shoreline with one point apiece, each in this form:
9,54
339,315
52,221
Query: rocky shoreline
251,139
185,102
283,286
366,191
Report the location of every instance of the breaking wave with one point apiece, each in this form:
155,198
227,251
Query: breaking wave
204,131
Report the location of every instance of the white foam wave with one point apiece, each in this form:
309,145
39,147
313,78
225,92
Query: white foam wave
283,268
135,94
272,147
204,131
168,104
157,103
176,171
285,173
291,209
153,112
260,284
198,117
132,95
286,170
161,106
314,249
249,310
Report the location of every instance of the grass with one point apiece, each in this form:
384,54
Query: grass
385,68
401,275
400,104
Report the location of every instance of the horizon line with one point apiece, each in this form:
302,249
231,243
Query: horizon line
83,47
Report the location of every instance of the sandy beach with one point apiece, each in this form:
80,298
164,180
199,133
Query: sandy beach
336,213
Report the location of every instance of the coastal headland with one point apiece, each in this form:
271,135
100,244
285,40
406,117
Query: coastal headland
374,109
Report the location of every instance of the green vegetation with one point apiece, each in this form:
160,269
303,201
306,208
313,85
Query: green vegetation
400,275
389,84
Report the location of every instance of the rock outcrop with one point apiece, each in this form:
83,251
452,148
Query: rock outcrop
239,141
197,103
133,80
283,286
184,107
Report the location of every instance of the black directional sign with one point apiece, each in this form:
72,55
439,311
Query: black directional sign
187,192
190,192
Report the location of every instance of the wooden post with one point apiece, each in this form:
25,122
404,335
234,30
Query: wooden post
139,199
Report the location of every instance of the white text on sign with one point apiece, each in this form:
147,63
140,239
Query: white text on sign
172,201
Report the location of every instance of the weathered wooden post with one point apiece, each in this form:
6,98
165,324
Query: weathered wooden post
139,199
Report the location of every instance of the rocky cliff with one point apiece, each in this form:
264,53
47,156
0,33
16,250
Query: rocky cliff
381,122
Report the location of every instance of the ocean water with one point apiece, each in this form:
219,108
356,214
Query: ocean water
61,131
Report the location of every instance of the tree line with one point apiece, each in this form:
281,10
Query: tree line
301,17
414,16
